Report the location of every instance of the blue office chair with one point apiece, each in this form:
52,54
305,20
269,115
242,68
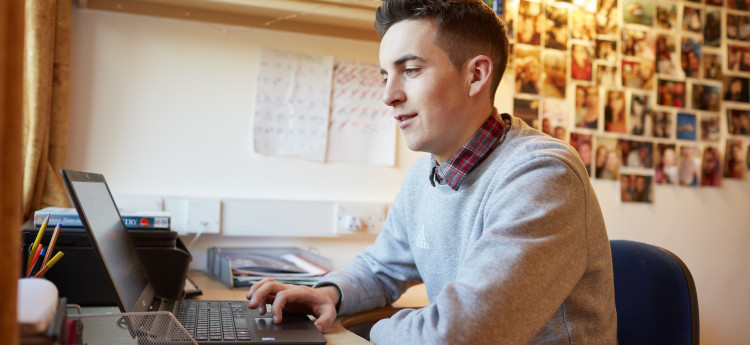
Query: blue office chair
655,296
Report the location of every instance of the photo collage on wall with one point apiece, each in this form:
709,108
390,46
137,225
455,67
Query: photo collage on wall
649,93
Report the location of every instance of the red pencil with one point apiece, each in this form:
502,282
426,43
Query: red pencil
34,259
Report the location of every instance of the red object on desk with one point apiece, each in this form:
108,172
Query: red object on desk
33,261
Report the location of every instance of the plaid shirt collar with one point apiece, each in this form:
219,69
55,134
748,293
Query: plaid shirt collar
456,168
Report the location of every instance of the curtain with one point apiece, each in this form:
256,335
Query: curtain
11,118
46,103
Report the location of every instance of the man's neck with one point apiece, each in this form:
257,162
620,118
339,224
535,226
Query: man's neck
477,119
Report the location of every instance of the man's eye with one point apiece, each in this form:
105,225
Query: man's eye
411,71
385,79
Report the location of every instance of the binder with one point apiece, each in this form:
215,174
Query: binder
221,262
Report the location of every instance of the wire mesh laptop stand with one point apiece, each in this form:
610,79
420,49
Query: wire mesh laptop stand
147,328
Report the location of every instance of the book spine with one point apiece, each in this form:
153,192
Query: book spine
131,222
65,220
145,222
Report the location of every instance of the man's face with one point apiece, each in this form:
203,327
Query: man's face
425,90
640,184
585,152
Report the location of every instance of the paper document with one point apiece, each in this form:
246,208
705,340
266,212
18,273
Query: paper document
362,127
292,104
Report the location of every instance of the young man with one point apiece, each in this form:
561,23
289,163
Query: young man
500,222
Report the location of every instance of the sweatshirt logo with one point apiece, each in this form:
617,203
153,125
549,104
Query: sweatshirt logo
422,239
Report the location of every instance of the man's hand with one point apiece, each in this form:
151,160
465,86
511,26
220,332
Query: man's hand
320,302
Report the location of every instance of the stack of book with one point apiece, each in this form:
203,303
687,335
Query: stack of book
243,267
68,217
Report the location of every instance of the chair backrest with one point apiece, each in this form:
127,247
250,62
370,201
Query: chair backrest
654,295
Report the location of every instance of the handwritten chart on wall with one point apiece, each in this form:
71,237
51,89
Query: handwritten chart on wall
362,128
292,104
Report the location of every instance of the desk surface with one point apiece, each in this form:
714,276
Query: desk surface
213,289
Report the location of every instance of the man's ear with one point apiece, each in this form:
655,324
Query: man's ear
480,74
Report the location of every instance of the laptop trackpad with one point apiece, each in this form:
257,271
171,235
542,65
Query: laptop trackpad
291,324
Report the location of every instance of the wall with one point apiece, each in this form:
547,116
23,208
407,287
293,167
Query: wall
162,107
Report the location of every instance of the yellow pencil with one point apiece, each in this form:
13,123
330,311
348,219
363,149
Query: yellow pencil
38,239
51,245
49,265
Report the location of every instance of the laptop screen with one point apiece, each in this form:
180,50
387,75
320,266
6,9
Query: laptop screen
109,237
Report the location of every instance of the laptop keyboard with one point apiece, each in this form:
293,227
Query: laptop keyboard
214,320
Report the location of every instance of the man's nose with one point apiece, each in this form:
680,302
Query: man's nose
393,93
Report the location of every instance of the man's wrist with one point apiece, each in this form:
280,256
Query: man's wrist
334,293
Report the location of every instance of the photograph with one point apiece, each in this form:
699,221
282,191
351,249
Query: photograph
554,73
639,43
711,66
556,33
691,19
690,57
665,159
670,93
586,107
687,126
528,70
738,58
638,74
734,162
712,29
736,89
641,118
667,58
583,145
527,110
738,27
666,15
580,65
607,17
606,159
663,121
636,154
530,23
606,75
582,24
510,17
636,188
638,12
555,118
614,111
738,4
710,125
689,165
706,97
738,121
711,167
606,50
511,58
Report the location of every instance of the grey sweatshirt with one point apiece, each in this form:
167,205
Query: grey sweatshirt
518,255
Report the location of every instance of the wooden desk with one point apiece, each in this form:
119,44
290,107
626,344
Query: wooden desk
213,289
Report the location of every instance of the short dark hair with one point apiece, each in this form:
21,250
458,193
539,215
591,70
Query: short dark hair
466,28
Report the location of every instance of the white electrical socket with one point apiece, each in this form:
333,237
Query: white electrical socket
203,216
359,218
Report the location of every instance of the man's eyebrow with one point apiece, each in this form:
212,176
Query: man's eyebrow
405,58
402,60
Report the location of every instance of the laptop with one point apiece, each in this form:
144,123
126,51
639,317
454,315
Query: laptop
235,322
